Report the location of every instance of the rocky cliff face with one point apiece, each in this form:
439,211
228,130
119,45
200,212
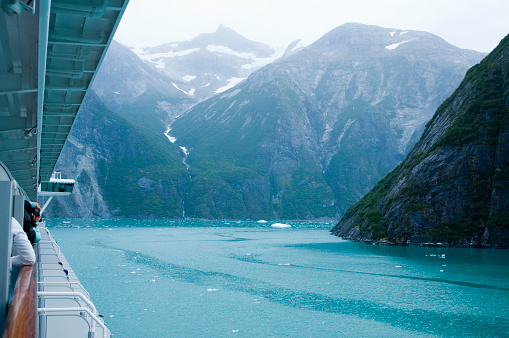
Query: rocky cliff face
453,188
119,170
308,135
302,138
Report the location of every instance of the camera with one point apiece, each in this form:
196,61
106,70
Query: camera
37,212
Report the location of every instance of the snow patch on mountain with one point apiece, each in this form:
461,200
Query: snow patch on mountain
233,81
260,62
395,45
170,138
153,57
211,63
190,92
226,50
184,150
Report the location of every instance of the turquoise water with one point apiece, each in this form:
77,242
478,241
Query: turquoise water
154,278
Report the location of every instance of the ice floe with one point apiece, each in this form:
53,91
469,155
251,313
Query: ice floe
281,225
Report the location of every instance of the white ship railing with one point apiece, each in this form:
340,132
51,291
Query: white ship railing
67,298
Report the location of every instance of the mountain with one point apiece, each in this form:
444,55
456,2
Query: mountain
138,91
453,188
210,63
120,170
306,136
135,101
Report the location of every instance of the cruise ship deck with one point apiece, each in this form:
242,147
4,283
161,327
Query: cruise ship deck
50,52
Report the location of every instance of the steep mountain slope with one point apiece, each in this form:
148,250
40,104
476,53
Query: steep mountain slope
138,91
120,170
308,135
453,187
210,63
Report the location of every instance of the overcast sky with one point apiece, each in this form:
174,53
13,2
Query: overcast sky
471,24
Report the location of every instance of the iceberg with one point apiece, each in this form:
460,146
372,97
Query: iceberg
281,225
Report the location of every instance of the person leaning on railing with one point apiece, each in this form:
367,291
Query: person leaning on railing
32,216
22,252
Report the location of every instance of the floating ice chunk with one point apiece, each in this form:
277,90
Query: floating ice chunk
398,266
442,256
212,290
261,221
189,78
281,225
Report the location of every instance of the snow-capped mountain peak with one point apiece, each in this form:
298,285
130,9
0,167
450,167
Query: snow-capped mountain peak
210,63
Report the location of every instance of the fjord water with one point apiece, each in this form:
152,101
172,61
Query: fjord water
160,278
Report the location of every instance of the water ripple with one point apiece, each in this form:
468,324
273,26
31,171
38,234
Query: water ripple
425,321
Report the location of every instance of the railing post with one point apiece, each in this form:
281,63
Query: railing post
6,192
18,207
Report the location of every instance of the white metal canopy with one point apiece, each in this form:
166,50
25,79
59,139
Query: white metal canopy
50,52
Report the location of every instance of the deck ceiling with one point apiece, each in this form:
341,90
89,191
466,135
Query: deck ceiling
49,57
